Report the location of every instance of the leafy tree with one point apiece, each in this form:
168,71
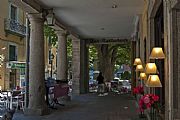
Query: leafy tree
123,54
126,75
50,35
92,55
111,55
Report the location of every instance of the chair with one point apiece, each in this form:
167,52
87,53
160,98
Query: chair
5,99
16,98
2,101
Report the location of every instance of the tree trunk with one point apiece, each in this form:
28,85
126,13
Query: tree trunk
107,56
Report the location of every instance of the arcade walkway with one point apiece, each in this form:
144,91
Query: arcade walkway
92,107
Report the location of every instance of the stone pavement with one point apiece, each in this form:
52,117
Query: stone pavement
92,107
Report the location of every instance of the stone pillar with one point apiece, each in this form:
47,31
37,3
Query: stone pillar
37,105
133,56
62,56
175,34
75,66
84,67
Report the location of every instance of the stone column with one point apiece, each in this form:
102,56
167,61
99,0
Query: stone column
62,56
84,67
133,56
37,105
75,65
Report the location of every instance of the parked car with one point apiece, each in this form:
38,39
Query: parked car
115,83
126,86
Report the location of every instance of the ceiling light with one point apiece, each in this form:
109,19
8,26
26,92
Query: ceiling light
50,18
114,6
102,29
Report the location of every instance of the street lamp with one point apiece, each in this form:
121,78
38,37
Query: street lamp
50,17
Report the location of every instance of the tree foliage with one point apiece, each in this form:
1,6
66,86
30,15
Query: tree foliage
50,34
126,75
92,55
124,54
109,56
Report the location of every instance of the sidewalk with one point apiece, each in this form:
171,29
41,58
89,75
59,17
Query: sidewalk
92,107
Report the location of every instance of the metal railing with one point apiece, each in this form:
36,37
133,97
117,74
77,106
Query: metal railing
14,27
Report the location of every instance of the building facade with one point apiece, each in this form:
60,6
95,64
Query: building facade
12,45
158,26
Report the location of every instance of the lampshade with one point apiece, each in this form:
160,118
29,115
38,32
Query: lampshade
137,61
157,53
139,68
153,81
143,76
150,68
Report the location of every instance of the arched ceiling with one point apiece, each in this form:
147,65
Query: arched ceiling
96,18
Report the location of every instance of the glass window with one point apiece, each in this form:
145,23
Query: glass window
13,12
12,53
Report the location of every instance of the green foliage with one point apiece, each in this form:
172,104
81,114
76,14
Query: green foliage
126,75
69,47
50,35
124,54
92,55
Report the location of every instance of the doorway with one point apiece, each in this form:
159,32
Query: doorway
159,42
12,80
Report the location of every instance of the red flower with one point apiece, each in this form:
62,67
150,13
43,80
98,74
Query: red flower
147,101
156,98
138,90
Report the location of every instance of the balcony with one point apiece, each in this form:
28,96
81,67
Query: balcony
14,27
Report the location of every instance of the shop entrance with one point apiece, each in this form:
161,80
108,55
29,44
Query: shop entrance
12,80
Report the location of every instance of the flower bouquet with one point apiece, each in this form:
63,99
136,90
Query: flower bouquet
138,90
147,101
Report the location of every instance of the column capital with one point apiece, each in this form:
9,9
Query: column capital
73,37
38,17
61,32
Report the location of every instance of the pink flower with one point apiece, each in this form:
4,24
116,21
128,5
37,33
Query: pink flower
146,100
148,105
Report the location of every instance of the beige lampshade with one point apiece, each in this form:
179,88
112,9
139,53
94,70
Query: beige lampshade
143,76
139,68
150,68
157,53
153,81
137,61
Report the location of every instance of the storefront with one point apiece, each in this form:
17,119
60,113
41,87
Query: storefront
16,74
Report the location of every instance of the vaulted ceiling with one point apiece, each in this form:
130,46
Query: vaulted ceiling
97,19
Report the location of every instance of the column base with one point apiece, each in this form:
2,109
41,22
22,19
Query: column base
36,111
